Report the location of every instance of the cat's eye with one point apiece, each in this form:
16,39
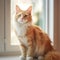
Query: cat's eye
25,15
19,15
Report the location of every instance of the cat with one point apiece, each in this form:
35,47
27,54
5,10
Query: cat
34,42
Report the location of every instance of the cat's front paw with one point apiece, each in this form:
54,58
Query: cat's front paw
40,58
29,58
22,58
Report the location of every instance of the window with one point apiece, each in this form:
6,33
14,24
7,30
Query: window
42,16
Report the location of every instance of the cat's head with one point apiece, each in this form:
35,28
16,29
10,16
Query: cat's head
23,16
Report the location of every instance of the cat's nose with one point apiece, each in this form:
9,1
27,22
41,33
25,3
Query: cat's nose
22,17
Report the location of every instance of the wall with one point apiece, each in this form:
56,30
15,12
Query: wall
1,25
57,24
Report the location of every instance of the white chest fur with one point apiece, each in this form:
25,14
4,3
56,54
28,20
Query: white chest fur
21,32
21,29
23,40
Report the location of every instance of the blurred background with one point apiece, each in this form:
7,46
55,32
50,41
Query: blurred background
45,14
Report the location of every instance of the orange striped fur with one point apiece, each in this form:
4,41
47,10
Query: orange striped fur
33,40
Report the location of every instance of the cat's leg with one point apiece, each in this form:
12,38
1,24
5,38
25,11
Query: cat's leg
30,51
29,54
23,52
41,58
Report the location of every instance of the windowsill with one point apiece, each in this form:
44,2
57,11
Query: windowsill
10,54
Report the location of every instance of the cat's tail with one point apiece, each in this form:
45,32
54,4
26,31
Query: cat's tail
52,55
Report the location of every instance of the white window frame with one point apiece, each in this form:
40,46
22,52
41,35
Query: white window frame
50,19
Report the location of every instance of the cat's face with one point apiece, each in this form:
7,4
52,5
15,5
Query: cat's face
23,16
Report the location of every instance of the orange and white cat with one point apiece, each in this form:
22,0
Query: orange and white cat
34,42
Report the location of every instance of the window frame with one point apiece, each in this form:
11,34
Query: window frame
50,19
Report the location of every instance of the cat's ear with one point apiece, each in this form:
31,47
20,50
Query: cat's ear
29,9
17,9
